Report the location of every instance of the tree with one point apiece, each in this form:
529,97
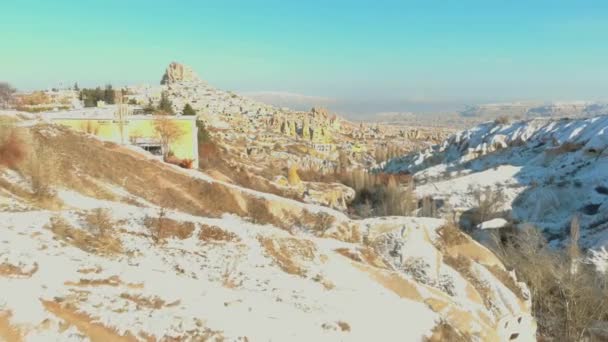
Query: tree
203,133
168,131
165,104
92,96
188,110
76,86
6,94
109,95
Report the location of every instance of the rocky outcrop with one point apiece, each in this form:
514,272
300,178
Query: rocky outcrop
177,72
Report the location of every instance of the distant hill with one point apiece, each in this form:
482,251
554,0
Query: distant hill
524,110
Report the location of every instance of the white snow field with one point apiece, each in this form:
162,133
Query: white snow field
219,271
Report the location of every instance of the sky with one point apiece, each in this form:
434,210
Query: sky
357,55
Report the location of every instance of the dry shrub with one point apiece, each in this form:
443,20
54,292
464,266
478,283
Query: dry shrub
229,277
376,194
213,233
318,223
33,99
100,221
12,146
450,235
567,301
41,167
446,332
567,147
257,209
502,120
286,251
183,163
113,281
208,154
343,326
140,301
428,207
162,227
487,204
12,271
106,245
256,182
366,255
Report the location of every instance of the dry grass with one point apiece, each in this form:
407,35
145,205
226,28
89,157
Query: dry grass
366,255
147,302
88,326
463,266
83,282
343,326
450,235
12,271
287,253
506,280
148,179
163,227
100,221
12,146
568,297
229,277
445,332
152,180
319,222
113,281
41,166
567,147
213,233
106,245
257,209
9,332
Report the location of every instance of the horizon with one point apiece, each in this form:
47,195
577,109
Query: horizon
357,58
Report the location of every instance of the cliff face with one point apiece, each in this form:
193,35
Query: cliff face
136,249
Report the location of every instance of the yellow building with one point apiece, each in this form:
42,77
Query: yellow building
137,130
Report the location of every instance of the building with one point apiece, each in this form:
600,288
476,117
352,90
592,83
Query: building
113,123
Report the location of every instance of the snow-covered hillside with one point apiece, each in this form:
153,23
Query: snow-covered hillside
547,171
128,248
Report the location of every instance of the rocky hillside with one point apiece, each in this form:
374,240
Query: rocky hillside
540,171
106,243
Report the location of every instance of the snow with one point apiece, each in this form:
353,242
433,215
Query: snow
547,170
190,276
493,224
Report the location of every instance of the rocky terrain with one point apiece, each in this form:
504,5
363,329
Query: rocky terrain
112,244
263,142
541,172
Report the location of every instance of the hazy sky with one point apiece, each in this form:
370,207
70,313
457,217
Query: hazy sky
403,55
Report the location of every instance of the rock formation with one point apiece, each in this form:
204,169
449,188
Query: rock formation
177,72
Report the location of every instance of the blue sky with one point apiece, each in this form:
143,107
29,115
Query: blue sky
408,54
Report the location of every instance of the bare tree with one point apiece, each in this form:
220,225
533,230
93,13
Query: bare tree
573,249
168,130
6,94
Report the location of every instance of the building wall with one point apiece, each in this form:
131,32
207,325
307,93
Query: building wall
185,147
